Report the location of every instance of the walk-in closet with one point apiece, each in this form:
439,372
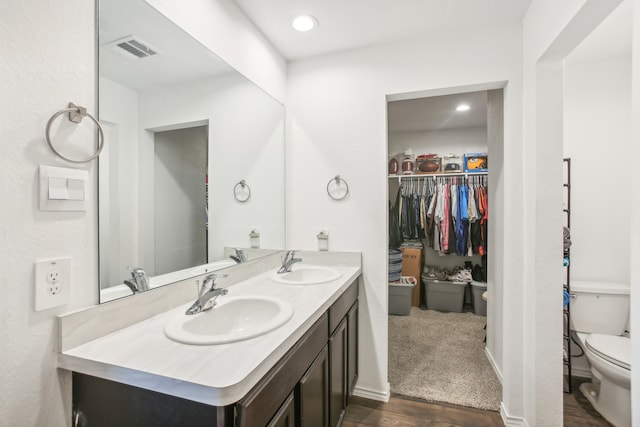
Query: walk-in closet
439,207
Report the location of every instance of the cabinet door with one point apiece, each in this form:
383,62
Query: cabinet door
98,402
314,393
259,405
338,374
286,415
352,349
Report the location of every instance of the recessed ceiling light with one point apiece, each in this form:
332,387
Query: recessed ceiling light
463,107
304,22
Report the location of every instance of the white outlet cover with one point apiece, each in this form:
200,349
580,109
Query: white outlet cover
49,294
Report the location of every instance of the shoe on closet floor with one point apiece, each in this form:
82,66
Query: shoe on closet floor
461,275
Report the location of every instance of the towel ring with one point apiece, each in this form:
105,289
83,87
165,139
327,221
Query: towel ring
332,191
76,114
242,191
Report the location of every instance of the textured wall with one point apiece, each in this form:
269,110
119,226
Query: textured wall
336,124
47,60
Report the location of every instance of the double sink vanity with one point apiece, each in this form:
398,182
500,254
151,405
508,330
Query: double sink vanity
275,349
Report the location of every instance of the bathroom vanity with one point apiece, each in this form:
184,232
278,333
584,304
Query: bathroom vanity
300,374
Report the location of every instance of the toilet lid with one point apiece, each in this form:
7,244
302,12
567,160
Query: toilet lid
614,349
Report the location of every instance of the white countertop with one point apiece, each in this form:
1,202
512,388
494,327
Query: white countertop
141,355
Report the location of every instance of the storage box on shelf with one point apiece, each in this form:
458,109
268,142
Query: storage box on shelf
476,162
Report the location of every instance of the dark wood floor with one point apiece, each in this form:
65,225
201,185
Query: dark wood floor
578,412
407,412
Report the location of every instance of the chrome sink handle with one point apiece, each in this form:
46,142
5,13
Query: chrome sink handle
207,294
140,279
288,261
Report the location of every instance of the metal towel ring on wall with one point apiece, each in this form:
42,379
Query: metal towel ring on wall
333,191
242,191
76,114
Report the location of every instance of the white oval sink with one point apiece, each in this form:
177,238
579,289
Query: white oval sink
306,275
234,318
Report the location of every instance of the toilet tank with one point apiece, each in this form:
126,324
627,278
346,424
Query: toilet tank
599,307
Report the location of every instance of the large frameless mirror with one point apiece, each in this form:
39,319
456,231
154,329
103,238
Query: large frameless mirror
191,178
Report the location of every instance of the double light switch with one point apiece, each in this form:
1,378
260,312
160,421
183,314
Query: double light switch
63,189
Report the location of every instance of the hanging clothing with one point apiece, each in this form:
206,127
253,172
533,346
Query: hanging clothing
395,233
450,214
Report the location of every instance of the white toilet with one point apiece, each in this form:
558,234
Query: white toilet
599,314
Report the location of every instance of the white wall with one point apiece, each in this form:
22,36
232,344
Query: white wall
222,26
246,141
48,59
597,130
597,125
634,253
118,182
441,142
336,125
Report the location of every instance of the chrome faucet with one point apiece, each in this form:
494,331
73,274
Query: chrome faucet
207,295
139,281
288,261
239,257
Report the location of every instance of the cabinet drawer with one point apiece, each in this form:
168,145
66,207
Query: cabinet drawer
262,402
341,307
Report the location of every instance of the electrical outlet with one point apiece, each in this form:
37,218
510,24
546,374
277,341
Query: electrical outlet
53,282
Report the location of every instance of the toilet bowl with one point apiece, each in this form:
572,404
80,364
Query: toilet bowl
610,389
599,314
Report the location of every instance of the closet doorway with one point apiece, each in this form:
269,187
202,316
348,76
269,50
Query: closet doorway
439,204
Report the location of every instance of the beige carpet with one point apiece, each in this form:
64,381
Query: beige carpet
440,357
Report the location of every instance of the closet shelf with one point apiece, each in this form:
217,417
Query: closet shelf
426,175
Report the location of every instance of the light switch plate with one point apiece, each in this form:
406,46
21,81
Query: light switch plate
63,189
52,283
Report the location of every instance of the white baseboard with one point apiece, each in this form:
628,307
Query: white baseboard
493,365
380,395
510,420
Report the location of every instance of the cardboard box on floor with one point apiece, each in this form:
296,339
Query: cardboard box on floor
412,266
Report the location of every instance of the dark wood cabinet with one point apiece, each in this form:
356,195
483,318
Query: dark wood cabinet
314,393
103,403
286,415
308,387
352,349
338,374
261,403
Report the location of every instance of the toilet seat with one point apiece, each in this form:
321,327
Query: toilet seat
613,349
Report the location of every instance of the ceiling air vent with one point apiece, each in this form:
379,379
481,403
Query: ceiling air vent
133,46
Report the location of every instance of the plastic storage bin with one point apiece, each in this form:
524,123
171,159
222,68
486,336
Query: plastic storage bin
400,295
444,295
479,305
